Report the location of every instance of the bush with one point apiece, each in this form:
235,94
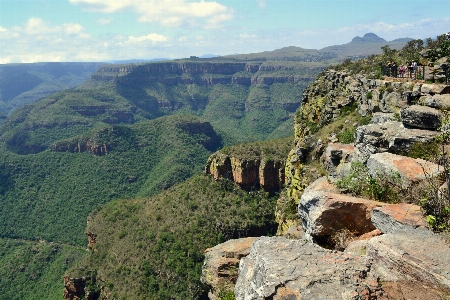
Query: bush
377,187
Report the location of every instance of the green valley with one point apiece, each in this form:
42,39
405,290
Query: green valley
120,157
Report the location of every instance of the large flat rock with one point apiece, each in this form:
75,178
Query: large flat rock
390,137
324,213
437,101
410,170
412,265
435,89
279,268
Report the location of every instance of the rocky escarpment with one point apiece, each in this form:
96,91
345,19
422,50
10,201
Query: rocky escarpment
255,165
384,249
201,73
248,173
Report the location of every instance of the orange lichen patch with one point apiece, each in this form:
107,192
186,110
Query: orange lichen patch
239,245
409,168
404,213
285,293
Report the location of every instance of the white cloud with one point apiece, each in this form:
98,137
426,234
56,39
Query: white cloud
170,13
72,28
103,21
247,36
38,40
152,37
262,3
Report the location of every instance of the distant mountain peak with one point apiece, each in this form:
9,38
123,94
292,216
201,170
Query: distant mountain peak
368,38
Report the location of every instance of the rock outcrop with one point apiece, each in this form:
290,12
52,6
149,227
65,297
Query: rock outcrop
201,73
325,213
279,268
220,269
389,251
409,170
248,173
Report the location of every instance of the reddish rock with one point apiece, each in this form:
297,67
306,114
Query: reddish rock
371,234
412,265
271,175
323,184
248,173
245,172
325,213
398,217
410,170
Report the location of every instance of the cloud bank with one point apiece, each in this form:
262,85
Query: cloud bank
169,13
37,40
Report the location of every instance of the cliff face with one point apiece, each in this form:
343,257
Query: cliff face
255,165
248,173
201,73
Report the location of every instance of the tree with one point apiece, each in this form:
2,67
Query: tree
388,53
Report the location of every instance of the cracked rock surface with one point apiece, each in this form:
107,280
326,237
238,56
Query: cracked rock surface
279,268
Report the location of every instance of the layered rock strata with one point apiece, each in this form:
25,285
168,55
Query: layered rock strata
248,173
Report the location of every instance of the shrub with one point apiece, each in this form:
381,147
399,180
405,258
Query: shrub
347,136
378,187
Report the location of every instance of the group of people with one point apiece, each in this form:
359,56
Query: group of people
411,67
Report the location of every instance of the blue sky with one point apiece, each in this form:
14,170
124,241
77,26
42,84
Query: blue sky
102,30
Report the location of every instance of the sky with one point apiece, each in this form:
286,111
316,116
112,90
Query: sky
105,30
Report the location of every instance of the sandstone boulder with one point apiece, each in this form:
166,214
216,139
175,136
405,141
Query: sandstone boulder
279,268
323,184
398,218
220,267
421,117
435,89
409,170
438,101
388,137
324,213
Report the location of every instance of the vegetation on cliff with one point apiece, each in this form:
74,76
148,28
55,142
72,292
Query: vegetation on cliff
153,247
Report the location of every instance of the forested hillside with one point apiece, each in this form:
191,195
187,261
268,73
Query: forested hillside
21,84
